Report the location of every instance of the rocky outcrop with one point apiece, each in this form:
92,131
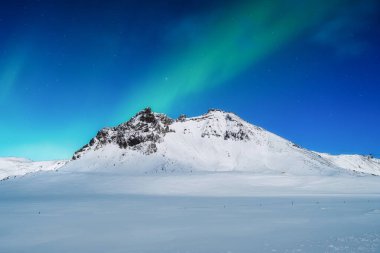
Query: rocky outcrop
141,132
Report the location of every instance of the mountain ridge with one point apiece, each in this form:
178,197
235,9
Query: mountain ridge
214,141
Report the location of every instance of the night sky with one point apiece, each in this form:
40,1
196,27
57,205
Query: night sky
308,71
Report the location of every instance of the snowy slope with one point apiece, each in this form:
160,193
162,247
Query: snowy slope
13,166
357,163
216,141
212,183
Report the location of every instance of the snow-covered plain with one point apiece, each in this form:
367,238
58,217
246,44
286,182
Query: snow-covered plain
137,223
85,211
212,183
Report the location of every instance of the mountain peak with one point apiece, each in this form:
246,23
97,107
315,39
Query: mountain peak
141,132
147,118
212,110
146,129
216,140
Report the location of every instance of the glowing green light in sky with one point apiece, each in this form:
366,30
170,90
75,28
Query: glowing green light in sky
242,38
9,72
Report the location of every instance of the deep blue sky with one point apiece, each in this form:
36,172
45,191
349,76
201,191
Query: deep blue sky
306,71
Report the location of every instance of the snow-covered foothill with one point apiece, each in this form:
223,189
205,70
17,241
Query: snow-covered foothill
15,166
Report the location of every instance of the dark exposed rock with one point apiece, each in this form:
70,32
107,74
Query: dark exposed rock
182,118
139,133
134,140
152,148
102,136
143,131
214,110
239,135
228,117
147,116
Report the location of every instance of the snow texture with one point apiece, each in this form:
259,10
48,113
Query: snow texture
216,141
212,183
12,166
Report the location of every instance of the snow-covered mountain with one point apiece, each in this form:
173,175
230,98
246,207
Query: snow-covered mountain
158,184
216,141
14,166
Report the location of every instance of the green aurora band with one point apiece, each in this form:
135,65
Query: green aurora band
244,36
10,72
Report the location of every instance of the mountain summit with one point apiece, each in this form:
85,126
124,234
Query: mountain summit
215,141
143,131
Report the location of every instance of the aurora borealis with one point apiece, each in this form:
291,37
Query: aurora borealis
306,70
234,43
